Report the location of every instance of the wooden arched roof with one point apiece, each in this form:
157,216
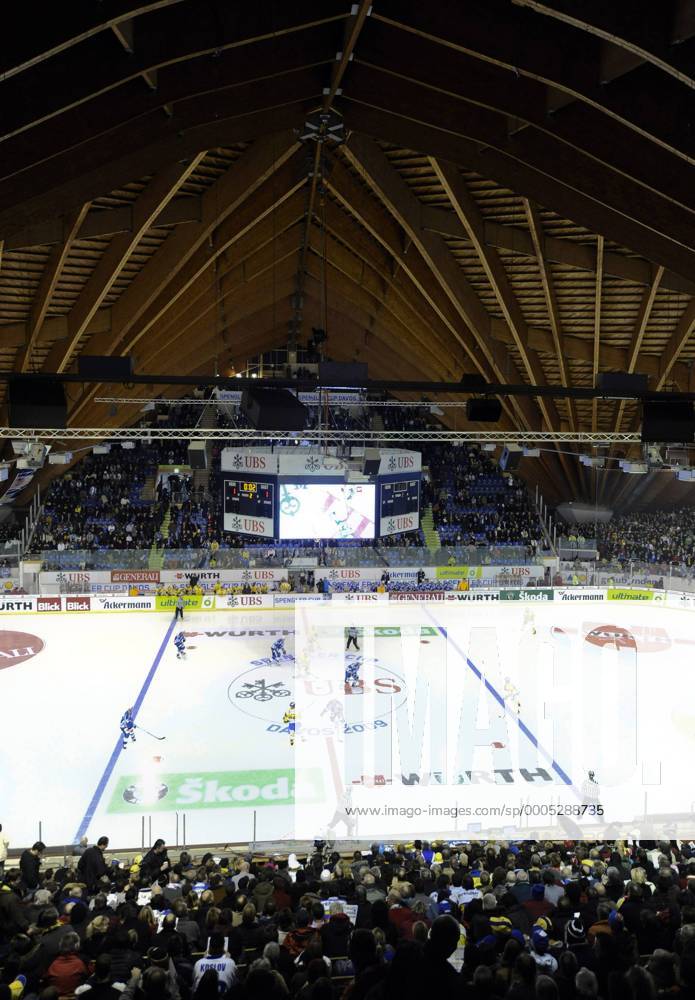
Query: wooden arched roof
514,197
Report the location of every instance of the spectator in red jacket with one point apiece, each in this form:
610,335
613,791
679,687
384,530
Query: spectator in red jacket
67,971
538,906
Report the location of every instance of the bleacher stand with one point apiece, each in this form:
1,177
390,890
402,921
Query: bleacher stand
520,920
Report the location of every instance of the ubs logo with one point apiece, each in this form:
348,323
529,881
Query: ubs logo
265,691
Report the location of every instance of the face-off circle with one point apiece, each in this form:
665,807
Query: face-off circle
264,692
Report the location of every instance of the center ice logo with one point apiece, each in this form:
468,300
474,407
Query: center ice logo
265,690
261,690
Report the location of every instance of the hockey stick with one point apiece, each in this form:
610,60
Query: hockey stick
150,734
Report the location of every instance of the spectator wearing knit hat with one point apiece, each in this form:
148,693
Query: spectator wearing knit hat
576,942
540,943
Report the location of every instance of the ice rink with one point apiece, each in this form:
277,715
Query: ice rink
464,703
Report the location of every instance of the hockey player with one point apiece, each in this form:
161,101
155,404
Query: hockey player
180,643
528,623
336,716
277,650
352,671
511,695
127,727
290,720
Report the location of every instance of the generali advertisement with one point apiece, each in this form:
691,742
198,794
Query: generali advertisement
115,581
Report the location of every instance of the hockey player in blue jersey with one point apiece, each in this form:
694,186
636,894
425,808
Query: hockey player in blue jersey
277,650
352,671
127,727
180,643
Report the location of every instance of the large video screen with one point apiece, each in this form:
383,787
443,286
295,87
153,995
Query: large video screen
327,510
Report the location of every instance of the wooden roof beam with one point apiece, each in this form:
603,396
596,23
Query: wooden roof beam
352,29
156,195
677,341
556,250
633,351
546,57
369,160
647,40
568,197
597,327
239,184
101,222
471,218
535,225
47,285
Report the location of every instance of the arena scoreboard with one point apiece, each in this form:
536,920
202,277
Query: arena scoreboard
249,506
399,505
310,492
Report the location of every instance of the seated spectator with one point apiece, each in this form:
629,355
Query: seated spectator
67,971
215,960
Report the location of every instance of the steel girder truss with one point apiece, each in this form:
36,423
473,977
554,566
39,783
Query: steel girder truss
317,435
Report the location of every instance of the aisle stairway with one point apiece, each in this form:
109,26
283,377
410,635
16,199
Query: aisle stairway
156,557
148,488
432,540
201,477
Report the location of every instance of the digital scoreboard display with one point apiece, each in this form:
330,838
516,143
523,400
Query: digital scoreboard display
399,506
249,507
400,498
326,510
247,498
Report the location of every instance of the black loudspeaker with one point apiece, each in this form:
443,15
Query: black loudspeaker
372,461
198,455
509,460
668,421
103,368
37,404
484,410
273,410
621,384
339,373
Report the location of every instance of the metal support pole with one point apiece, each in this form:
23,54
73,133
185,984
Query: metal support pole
149,818
254,827
184,831
177,831
40,831
142,832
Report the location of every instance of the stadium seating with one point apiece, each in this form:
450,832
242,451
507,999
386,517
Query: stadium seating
522,920
96,515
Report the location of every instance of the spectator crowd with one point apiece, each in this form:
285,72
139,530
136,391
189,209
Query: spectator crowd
98,504
524,921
